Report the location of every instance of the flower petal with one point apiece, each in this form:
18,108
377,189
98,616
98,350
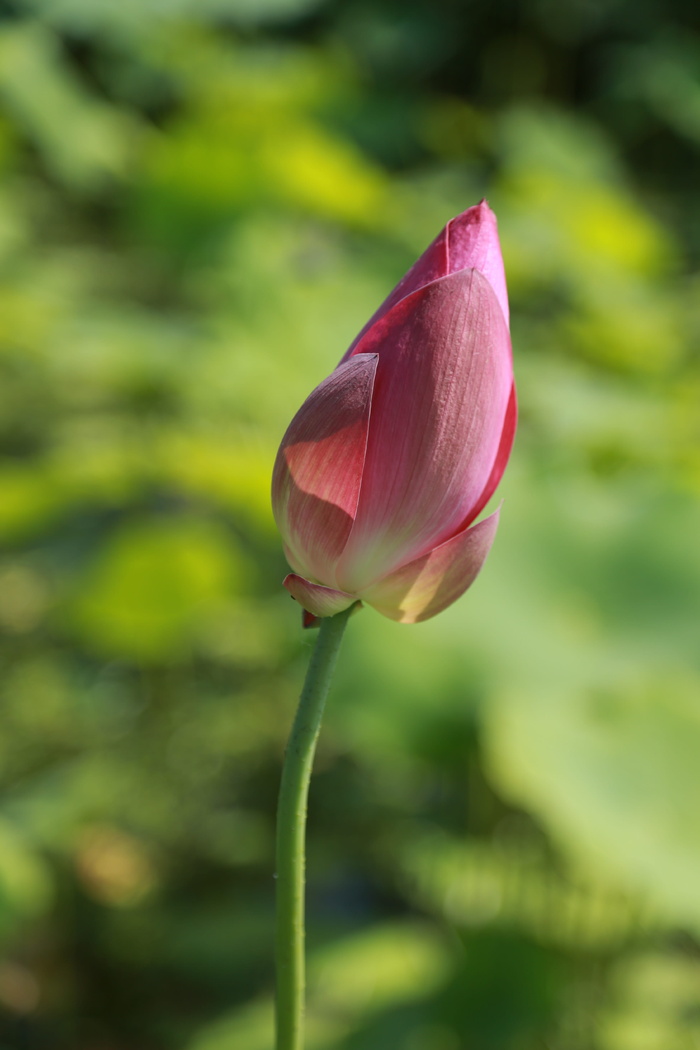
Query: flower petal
443,382
315,599
467,242
428,585
472,244
502,456
318,472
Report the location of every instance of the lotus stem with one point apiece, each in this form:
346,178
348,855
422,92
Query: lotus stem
291,829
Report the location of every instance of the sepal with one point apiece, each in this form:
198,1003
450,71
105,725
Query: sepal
315,599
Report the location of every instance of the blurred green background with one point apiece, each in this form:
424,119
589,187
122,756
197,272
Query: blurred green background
201,203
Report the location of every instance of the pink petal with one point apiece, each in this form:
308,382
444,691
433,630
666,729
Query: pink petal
318,471
315,599
472,244
428,585
468,242
443,382
502,456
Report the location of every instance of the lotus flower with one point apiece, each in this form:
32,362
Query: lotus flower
388,463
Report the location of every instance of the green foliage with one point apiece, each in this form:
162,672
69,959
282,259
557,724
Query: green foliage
154,584
200,205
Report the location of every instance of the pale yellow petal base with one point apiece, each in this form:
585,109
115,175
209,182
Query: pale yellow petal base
426,586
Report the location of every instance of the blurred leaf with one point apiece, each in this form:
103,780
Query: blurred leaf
45,98
106,15
252,142
356,978
570,224
613,766
234,476
148,591
665,74
478,884
28,500
24,597
25,882
371,971
655,1004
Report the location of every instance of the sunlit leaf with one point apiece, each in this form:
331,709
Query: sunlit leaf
152,586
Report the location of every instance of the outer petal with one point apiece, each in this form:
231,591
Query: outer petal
468,242
502,456
428,585
317,600
318,471
438,409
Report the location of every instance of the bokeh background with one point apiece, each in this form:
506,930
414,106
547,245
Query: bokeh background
201,202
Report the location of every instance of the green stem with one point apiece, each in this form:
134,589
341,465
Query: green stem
291,826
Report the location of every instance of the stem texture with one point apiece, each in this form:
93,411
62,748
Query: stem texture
291,827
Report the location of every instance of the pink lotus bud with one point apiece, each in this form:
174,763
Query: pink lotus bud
389,461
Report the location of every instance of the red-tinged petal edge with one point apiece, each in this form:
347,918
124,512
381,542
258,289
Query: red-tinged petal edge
429,584
318,472
315,599
502,457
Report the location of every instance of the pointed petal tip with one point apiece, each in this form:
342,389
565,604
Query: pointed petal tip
473,242
478,212
474,215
